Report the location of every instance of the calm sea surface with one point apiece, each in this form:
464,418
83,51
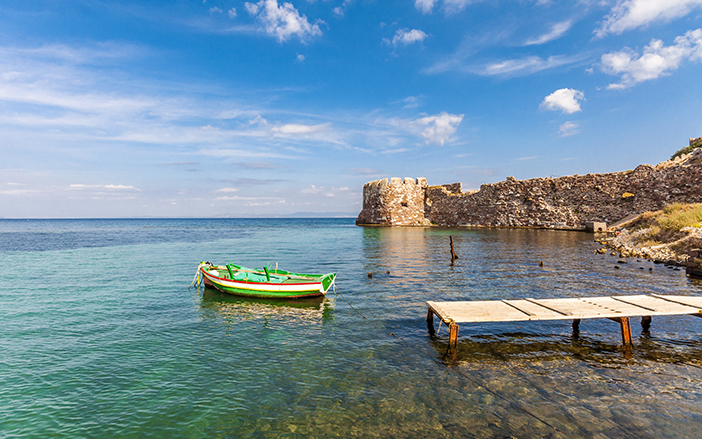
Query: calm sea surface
101,337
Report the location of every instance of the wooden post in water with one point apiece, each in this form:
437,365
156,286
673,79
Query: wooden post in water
576,325
430,321
626,329
453,253
646,323
453,334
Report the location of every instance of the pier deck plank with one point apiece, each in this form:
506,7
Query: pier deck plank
618,308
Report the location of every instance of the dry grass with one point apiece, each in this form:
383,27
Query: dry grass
664,226
658,235
677,215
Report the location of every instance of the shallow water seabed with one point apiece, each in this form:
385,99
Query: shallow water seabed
102,338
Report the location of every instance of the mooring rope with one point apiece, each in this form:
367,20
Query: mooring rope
342,296
197,279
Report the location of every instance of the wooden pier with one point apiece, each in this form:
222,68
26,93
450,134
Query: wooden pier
616,308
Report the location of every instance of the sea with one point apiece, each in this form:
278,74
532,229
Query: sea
101,335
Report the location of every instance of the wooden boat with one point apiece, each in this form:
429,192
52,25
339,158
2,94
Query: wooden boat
265,283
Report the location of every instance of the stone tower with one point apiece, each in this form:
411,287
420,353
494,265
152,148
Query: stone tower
394,203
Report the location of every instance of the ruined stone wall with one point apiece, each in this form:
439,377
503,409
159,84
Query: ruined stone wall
394,203
564,202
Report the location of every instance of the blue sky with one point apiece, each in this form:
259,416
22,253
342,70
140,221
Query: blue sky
233,108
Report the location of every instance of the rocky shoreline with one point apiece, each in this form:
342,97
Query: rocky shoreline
632,243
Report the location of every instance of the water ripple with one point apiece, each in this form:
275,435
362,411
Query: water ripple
101,337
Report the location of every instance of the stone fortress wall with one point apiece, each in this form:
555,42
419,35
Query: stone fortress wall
564,202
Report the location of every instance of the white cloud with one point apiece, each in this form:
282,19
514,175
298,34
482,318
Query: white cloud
467,54
404,36
228,189
425,5
73,104
294,132
90,55
557,30
114,187
258,120
300,57
331,192
340,11
16,191
293,128
566,100
657,60
215,10
232,13
524,66
236,197
283,21
630,14
568,129
450,6
312,190
67,101
394,135
411,102
365,171
439,128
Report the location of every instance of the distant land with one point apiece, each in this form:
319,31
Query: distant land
252,216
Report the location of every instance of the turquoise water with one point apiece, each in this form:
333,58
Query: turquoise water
102,338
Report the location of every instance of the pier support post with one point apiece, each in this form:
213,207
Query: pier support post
646,323
576,325
626,329
453,334
430,321
576,329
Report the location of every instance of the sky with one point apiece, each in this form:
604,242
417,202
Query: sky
227,108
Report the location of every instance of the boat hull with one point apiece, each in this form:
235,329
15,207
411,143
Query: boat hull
316,288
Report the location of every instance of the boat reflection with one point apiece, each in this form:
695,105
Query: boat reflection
217,305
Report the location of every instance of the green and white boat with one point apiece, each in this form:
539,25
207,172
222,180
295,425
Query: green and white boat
264,283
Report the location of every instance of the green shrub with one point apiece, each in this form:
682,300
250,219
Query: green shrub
687,149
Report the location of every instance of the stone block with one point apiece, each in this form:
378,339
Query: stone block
454,188
595,227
